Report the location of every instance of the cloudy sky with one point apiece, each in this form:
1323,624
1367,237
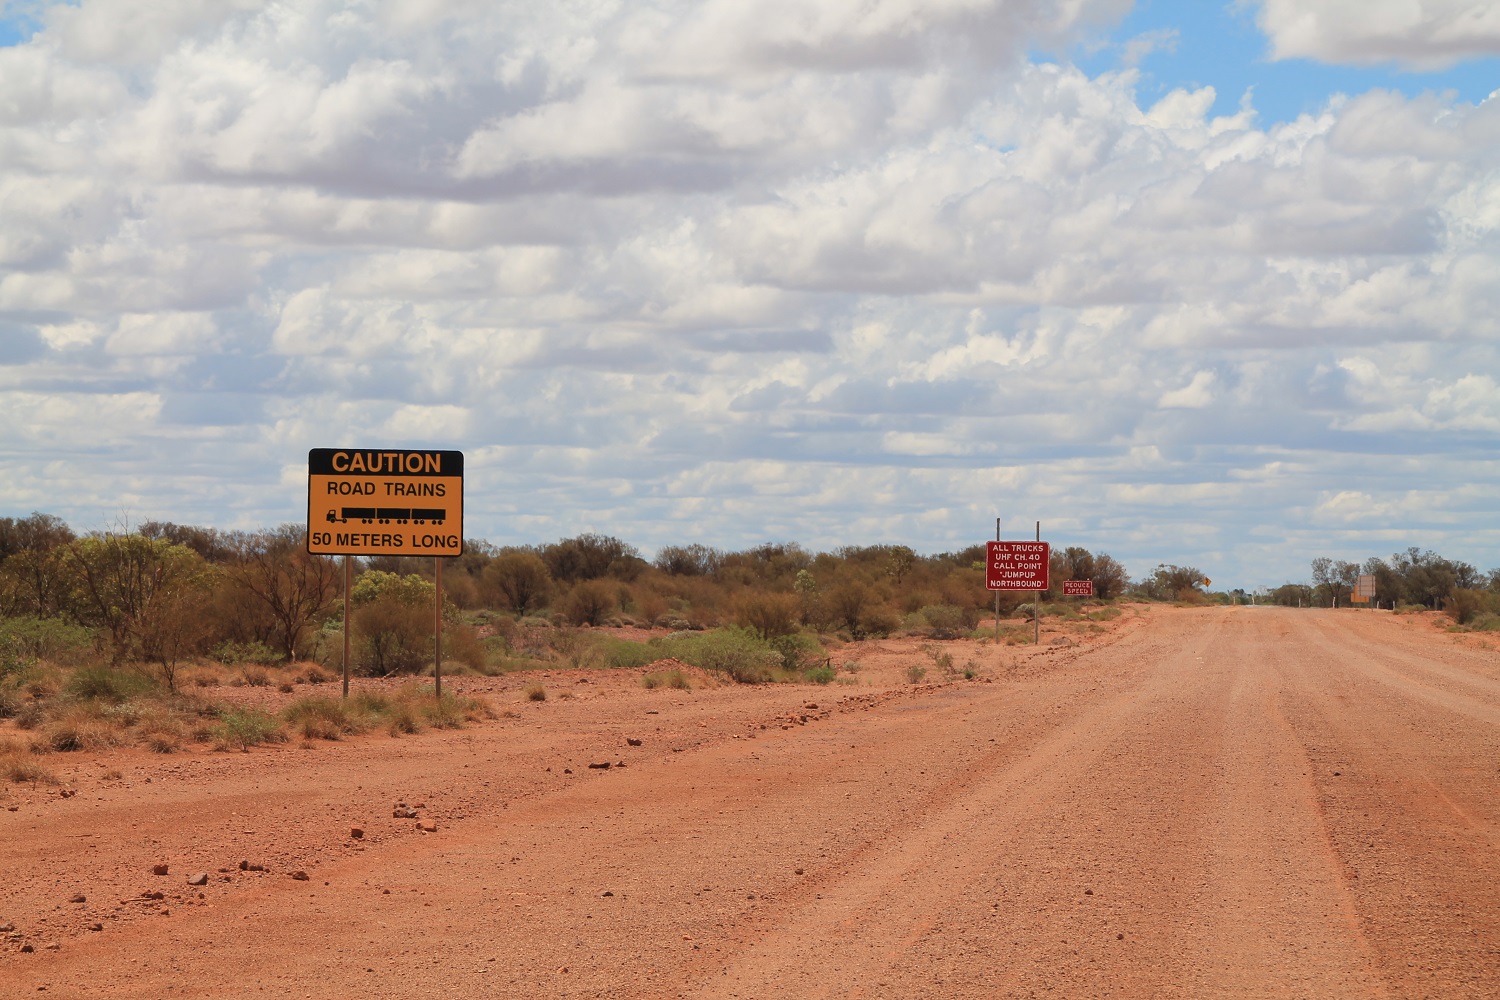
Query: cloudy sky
1213,282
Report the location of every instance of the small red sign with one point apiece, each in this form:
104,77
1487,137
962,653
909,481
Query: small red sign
1078,588
1018,565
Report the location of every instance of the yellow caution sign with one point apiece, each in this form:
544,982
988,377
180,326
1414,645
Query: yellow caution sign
368,501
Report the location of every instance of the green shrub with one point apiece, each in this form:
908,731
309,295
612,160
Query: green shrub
915,672
820,675
948,621
1463,605
943,660
29,638
737,653
450,711
109,684
402,718
13,659
1486,621
324,718
589,603
797,651
243,728
622,653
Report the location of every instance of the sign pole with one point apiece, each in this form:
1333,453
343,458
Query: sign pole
437,631
1036,604
997,593
348,575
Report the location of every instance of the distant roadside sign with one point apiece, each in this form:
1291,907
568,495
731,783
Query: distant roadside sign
1365,586
377,502
1078,588
1361,599
1017,565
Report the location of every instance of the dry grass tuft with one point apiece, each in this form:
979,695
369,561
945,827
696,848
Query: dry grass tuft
674,678
19,765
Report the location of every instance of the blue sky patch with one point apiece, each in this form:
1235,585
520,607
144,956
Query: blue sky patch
1192,43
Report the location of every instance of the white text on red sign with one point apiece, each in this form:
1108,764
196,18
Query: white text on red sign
1017,565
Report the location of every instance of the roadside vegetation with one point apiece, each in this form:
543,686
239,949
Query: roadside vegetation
123,637
1409,581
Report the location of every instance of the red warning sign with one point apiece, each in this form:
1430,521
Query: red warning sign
1018,565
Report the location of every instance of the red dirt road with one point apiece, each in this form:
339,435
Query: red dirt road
1236,802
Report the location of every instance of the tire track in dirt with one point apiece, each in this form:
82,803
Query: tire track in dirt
1181,890
1409,780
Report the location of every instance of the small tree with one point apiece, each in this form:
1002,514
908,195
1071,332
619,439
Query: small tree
590,602
274,569
393,619
899,560
1110,578
130,586
808,598
518,581
769,616
395,637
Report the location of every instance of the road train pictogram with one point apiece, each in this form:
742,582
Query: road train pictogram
388,515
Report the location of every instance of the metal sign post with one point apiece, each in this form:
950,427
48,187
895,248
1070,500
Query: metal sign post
348,578
437,631
997,593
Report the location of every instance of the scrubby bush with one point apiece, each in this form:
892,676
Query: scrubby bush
323,718
590,603
948,621
461,643
87,725
1464,605
517,581
768,615
821,674
673,678
451,711
105,683
19,765
232,653
29,638
395,637
797,651
1485,621
243,728
737,653
622,653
